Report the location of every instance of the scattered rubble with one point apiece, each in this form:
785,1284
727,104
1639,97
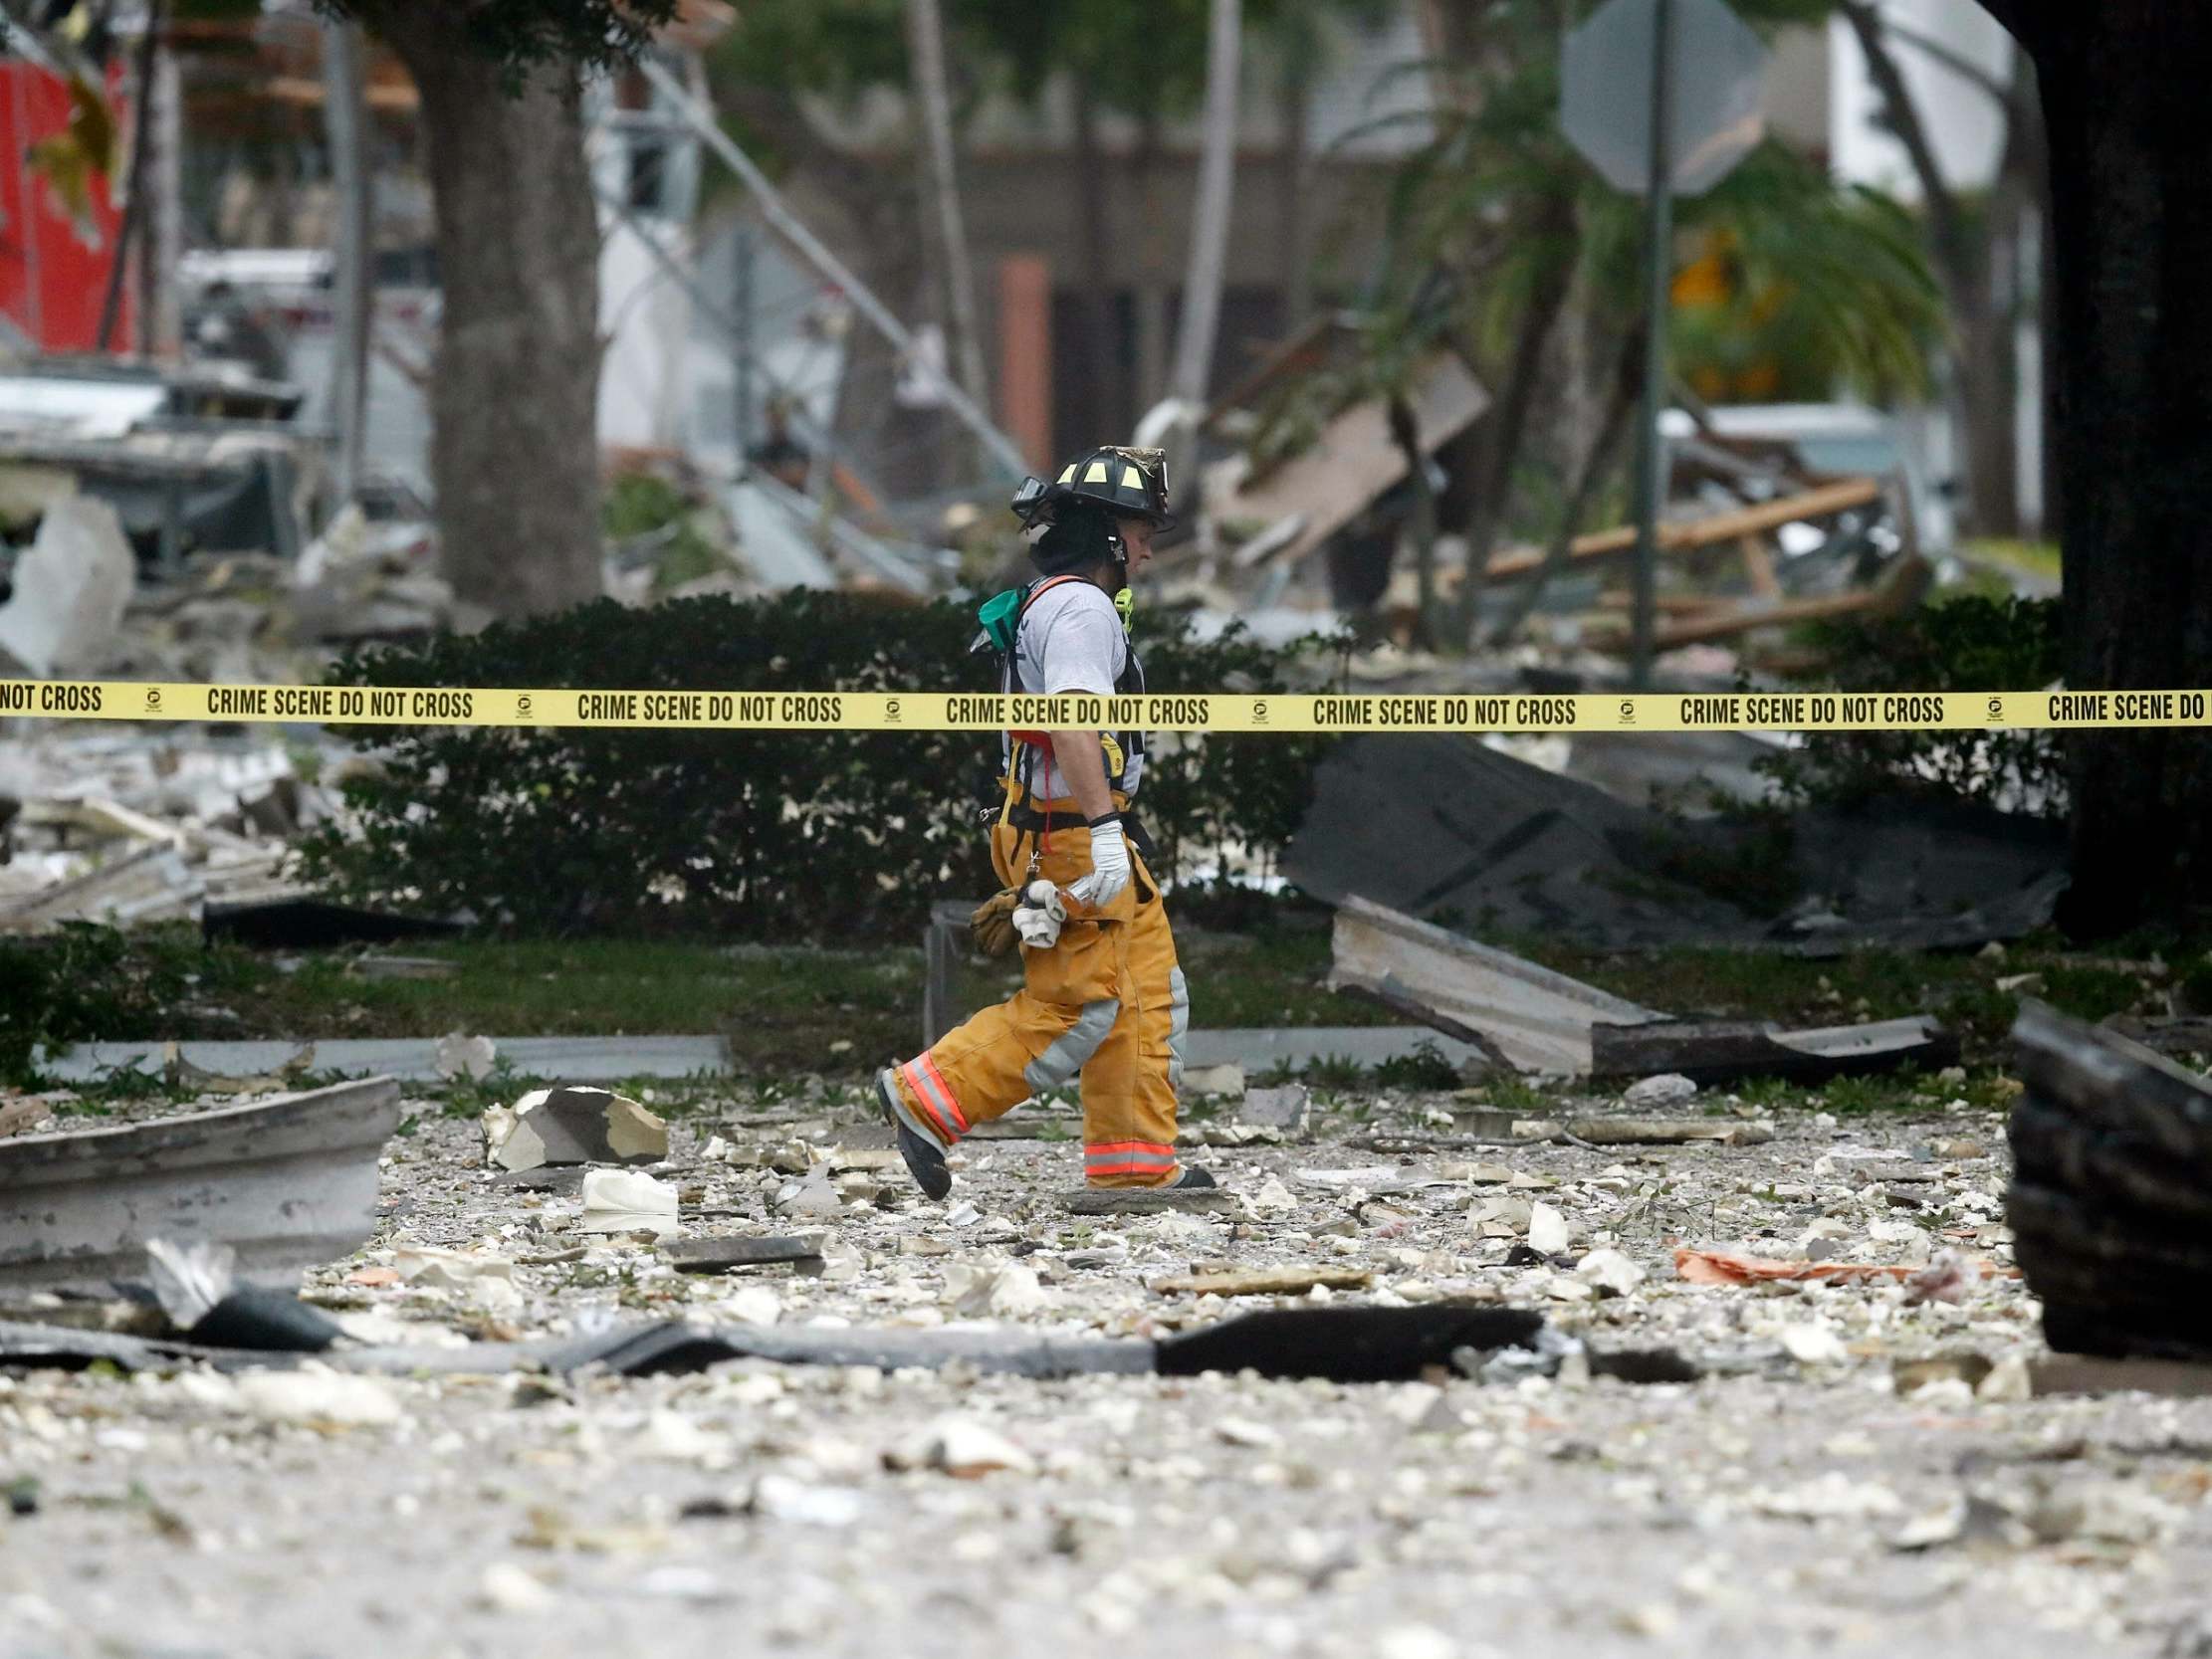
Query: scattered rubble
697,1407
71,589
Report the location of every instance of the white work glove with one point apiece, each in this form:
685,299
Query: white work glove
1109,866
1039,917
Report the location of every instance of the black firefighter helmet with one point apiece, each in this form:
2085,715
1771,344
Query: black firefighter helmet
1128,481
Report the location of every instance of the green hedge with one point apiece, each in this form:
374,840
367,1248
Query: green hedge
1969,644
753,835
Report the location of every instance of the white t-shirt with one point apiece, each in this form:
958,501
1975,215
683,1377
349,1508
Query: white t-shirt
1071,640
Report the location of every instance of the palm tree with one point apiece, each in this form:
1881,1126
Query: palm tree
1510,235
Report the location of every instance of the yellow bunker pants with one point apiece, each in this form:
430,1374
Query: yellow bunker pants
1107,1000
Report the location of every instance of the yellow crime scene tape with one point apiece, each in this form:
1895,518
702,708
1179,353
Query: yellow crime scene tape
124,699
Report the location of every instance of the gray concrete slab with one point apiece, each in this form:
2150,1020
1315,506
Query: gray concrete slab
605,1059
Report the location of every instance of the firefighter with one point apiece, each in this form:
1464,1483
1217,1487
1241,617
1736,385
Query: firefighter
1102,994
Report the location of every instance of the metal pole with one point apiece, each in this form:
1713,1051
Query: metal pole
1650,471
742,341
793,229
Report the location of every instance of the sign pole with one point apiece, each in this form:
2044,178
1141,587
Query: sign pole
1651,479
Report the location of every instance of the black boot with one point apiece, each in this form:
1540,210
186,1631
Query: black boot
925,1159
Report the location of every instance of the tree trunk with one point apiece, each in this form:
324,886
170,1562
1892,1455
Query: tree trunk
2132,224
964,347
1209,265
1508,423
514,450
1405,428
1102,399
1297,92
346,122
1598,464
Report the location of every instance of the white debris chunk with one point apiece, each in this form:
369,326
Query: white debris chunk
1547,1229
1213,1082
623,1201
1810,1345
320,1396
1668,1089
71,588
572,1125
507,1588
962,1448
1610,1271
461,1055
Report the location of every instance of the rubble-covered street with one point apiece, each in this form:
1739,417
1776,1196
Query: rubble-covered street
1858,1466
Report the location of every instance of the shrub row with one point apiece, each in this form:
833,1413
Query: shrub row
750,835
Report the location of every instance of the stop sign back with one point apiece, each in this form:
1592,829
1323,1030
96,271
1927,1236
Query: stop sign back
1605,102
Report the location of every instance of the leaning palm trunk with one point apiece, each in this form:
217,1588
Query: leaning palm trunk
1597,467
1201,288
926,40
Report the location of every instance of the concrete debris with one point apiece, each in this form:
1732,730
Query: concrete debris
125,826
510,1587
284,1184
627,1202
318,1398
781,1497
1535,853
572,1125
1287,1109
1547,1230
71,589
463,1056
1002,1290
1219,1082
1241,1474
190,1280
1611,1272
730,1255
180,1073
962,1448
1722,1051
1525,1016
1284,509
1667,1089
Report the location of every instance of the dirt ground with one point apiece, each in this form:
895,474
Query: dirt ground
1803,1497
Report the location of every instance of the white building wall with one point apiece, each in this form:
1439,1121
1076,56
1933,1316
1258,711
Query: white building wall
1965,124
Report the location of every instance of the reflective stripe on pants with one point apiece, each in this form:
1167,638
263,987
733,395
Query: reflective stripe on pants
1108,1000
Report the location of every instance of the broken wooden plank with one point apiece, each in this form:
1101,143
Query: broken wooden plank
1669,1132
1288,1281
1533,1019
1691,534
149,878
1901,587
286,1184
1353,460
1722,1051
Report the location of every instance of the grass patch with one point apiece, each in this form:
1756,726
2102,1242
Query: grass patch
2030,558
